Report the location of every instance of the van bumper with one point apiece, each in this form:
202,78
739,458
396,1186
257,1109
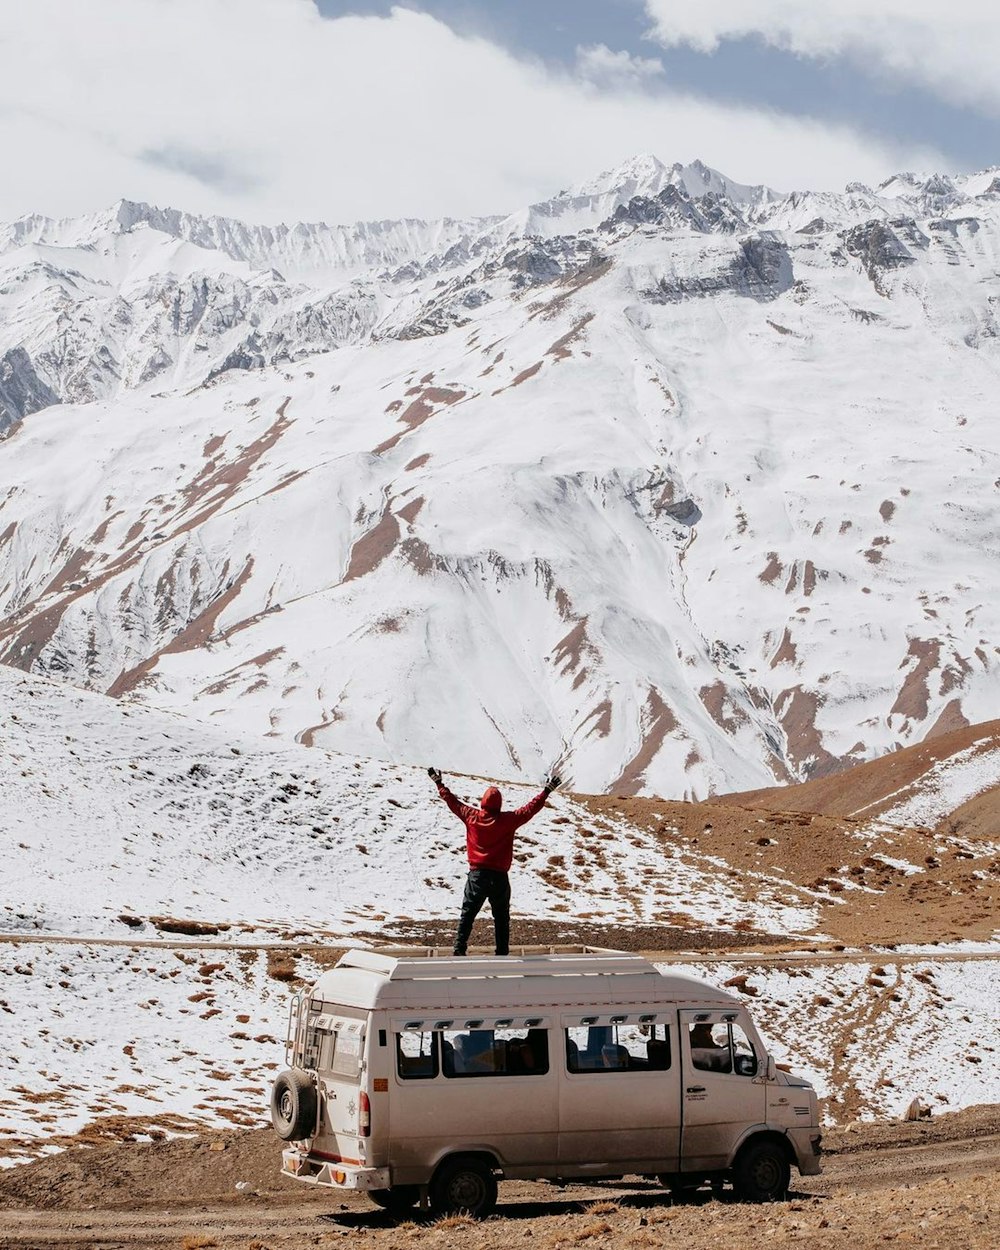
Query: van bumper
808,1146
315,1170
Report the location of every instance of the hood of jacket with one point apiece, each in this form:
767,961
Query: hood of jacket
492,801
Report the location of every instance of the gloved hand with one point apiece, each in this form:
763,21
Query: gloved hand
435,775
552,783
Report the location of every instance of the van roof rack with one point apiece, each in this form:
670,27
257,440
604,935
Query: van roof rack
409,963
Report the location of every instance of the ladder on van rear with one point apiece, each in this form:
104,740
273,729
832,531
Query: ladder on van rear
301,1033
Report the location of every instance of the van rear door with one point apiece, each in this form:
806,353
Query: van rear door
722,1086
339,1070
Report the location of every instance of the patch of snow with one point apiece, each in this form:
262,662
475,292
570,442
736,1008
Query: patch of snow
946,786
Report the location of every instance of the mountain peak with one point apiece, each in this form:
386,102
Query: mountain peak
643,174
646,175
699,179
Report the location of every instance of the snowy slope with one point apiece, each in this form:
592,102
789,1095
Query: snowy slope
698,497
115,817
133,827
91,1034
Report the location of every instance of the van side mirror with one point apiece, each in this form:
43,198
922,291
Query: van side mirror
772,1070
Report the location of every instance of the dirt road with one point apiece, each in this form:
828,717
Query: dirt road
778,953
930,1184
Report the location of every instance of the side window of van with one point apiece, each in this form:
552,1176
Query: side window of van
710,1047
722,1048
744,1055
495,1052
617,1048
416,1056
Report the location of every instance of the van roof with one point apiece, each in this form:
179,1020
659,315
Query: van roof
369,979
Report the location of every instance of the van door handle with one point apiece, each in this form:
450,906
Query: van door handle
696,1089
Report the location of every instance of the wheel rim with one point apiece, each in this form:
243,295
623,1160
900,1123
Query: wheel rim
467,1191
767,1174
285,1108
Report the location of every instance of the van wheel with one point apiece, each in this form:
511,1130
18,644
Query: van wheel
761,1173
293,1105
397,1200
463,1185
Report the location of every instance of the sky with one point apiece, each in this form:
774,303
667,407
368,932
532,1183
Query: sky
345,110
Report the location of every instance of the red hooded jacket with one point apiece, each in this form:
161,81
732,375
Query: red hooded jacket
489,832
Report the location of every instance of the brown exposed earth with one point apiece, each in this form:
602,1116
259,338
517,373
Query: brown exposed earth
825,841
530,932
925,1184
945,895
867,789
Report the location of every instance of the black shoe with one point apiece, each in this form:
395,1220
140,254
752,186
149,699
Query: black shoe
458,953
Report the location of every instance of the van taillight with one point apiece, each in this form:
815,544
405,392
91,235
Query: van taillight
364,1116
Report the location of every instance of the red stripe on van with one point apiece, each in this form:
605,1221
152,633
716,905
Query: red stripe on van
328,1158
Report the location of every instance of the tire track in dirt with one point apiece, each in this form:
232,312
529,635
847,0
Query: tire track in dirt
852,1033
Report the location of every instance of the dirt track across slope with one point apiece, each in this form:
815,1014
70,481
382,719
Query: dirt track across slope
928,1184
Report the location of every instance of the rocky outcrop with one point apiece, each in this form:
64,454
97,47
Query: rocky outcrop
21,390
880,247
760,268
674,209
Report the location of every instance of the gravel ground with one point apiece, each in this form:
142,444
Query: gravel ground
928,1184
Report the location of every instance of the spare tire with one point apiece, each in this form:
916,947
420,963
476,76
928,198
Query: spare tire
293,1105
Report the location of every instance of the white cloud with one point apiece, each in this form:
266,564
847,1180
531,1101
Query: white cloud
601,65
951,49
262,109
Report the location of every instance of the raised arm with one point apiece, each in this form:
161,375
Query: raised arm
461,810
535,805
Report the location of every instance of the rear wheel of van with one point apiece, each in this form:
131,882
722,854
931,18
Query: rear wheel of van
293,1105
463,1185
761,1172
397,1200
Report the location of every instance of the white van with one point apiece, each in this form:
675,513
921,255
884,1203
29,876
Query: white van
431,1077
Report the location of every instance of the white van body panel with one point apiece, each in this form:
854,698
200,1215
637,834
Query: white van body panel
717,1105
573,1108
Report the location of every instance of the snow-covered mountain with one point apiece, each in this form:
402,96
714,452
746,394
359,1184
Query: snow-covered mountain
688,483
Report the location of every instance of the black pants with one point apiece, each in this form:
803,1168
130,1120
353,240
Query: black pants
484,884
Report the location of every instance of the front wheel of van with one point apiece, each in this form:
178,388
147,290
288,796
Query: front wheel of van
463,1185
397,1200
762,1173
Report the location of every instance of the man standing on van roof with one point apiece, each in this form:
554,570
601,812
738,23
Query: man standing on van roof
489,840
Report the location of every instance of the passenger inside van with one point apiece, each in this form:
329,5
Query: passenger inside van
474,1052
614,1056
528,1055
708,1054
520,1058
658,1054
